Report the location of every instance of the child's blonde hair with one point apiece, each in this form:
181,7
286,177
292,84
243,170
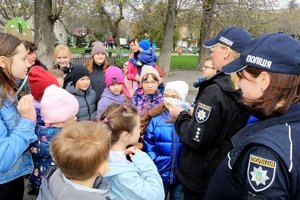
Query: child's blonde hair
61,47
120,118
79,149
57,73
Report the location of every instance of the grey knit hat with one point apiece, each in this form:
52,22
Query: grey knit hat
98,47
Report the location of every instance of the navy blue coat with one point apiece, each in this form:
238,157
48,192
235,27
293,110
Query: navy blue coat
265,161
163,145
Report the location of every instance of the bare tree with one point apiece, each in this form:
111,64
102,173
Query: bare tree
167,44
112,11
46,14
205,27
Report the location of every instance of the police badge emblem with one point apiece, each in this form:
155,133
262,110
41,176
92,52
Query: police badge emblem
260,173
202,112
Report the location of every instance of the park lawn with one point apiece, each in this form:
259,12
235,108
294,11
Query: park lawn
77,50
183,62
177,62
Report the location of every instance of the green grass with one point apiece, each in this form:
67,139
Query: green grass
182,62
177,62
77,50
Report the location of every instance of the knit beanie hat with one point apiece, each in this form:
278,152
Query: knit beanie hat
181,87
144,44
98,47
113,75
39,79
78,72
146,69
58,105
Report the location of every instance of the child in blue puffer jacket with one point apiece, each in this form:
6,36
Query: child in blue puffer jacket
161,141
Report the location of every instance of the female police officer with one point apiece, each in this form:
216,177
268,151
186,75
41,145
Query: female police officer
217,116
264,163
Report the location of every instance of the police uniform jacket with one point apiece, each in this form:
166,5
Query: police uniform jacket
206,135
265,161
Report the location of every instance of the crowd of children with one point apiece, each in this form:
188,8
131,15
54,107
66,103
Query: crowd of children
95,131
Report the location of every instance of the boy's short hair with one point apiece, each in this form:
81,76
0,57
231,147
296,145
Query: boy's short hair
57,73
80,148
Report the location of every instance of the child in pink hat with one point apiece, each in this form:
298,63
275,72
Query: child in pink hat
115,91
58,108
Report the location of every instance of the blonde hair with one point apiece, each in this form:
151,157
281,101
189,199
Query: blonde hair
57,73
232,56
80,148
61,47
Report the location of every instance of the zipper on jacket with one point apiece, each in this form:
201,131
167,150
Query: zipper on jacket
173,157
88,106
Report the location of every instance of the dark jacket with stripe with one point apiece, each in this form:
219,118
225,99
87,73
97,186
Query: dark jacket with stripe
206,135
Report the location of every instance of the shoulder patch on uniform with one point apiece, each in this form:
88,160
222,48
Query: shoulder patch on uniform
202,112
260,172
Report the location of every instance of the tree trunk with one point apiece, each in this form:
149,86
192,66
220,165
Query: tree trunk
44,31
166,48
205,28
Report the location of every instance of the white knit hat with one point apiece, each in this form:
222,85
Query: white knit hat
181,87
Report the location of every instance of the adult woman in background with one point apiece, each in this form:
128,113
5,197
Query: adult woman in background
96,66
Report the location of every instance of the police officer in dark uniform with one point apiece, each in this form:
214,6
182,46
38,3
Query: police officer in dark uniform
217,116
265,161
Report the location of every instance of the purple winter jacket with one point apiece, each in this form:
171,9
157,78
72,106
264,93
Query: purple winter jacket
107,99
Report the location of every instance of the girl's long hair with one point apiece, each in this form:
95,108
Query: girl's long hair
147,116
9,43
90,63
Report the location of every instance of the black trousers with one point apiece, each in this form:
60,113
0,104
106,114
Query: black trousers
12,190
191,195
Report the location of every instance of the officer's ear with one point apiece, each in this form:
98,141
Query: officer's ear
226,52
264,80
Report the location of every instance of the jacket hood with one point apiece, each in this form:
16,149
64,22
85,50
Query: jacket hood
147,57
71,88
225,83
55,187
115,97
120,168
119,164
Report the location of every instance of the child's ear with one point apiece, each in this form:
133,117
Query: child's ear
103,168
3,62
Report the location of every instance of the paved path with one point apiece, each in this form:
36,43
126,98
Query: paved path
190,77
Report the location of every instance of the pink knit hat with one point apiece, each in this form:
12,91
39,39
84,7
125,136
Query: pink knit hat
58,105
113,75
98,47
